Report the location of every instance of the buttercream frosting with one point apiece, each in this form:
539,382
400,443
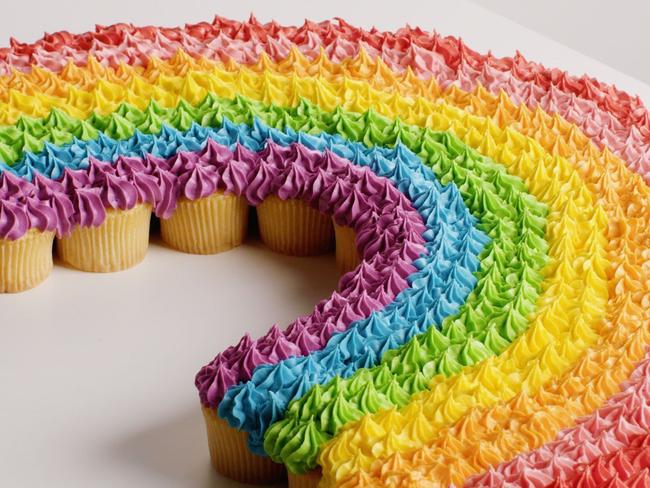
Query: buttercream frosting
561,359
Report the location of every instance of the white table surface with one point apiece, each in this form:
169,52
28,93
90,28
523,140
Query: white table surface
96,371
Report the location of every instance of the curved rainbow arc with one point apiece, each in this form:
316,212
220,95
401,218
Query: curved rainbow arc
271,90
134,89
611,117
614,211
494,203
591,277
599,440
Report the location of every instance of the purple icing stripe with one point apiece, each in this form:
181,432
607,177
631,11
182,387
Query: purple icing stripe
389,230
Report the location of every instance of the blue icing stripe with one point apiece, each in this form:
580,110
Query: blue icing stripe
438,288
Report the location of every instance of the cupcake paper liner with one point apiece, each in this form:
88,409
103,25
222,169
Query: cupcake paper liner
306,480
119,243
347,256
293,227
567,210
25,262
231,457
208,225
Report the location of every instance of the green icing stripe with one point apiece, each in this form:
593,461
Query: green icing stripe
495,313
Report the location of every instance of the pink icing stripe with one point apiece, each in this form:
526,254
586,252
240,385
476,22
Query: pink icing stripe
622,422
628,467
406,42
608,116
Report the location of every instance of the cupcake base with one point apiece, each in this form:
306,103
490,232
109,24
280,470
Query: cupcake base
231,457
208,225
306,480
347,256
25,262
293,227
120,242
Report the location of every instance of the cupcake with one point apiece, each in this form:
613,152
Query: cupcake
207,220
293,227
237,396
30,215
112,218
288,222
25,251
207,225
231,456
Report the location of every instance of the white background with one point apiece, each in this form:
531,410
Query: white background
614,32
96,371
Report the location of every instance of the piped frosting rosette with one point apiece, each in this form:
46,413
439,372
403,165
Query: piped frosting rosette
450,221
609,116
569,353
472,349
609,446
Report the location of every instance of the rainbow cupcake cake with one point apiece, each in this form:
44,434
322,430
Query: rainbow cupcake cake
490,217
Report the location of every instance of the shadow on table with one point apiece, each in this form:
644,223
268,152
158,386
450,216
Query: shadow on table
176,451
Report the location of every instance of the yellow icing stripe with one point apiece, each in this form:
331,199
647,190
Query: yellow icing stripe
575,292
128,83
488,436
569,313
